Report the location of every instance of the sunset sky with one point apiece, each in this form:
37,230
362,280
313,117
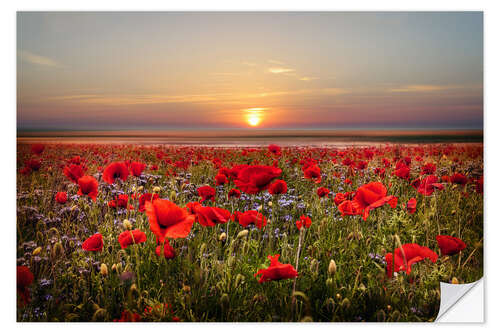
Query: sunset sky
112,71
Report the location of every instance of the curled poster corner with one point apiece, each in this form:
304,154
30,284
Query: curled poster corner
461,303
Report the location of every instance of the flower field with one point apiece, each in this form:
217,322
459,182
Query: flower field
196,233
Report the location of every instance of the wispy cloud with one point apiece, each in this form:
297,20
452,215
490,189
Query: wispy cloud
38,59
308,78
280,70
421,88
218,98
276,62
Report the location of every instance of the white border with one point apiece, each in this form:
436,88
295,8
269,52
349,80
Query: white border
8,123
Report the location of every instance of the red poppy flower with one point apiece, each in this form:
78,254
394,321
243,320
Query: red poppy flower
61,197
411,206
276,270
210,216
304,221
24,279
413,253
313,172
73,172
37,148
220,179
428,169
144,198
255,178
192,207
249,217
168,250
93,243
322,192
128,237
234,193
275,149
115,170
428,185
402,172
339,198
33,164
348,181
121,201
88,186
450,245
206,193
371,196
346,207
137,168
166,219
278,187
128,316
458,178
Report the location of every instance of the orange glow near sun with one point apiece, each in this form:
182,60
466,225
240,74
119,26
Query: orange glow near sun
254,116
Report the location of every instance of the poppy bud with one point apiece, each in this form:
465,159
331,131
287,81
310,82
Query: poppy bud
330,304
104,269
186,288
332,268
133,289
270,203
57,250
346,303
113,268
203,247
127,225
239,279
173,195
454,280
134,188
100,315
222,237
381,315
37,251
338,296
156,189
389,308
242,233
140,188
396,316
259,208
224,300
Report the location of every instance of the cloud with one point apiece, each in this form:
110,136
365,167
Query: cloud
280,70
308,78
39,60
215,98
421,88
276,62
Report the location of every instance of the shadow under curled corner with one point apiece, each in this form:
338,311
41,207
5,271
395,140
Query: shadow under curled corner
461,303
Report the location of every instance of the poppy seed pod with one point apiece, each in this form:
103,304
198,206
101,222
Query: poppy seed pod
104,269
242,234
454,280
140,188
332,268
156,189
270,203
127,225
223,237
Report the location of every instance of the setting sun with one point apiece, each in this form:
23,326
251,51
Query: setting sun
254,116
